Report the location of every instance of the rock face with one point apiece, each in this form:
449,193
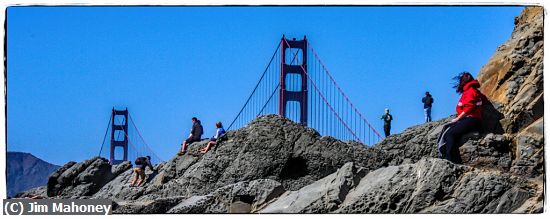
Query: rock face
274,165
271,147
78,180
322,196
25,171
435,186
513,77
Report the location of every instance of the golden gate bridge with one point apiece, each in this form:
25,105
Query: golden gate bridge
295,84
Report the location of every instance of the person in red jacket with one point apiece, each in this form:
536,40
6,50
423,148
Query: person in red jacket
469,114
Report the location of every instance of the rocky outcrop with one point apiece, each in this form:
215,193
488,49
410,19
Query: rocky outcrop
436,186
246,196
274,165
529,150
322,196
78,180
271,147
513,77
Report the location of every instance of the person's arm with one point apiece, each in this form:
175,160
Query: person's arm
469,104
193,129
459,116
423,99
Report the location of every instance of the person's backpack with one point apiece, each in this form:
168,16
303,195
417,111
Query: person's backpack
428,101
140,161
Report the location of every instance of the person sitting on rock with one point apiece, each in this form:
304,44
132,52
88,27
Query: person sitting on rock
219,132
139,170
194,136
469,111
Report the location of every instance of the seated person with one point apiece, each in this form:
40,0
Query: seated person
219,132
194,136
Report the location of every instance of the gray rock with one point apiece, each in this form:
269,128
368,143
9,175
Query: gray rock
408,188
480,191
38,192
270,147
146,207
254,193
192,205
322,196
529,151
80,179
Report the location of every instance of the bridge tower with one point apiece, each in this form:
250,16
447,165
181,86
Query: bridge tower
289,68
121,137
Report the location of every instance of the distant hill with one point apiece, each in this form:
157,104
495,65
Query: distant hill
26,171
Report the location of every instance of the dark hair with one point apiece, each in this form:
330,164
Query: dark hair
461,79
194,119
219,124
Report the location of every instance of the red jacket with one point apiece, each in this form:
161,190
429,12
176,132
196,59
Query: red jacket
471,100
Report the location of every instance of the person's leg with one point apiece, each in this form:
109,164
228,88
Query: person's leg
449,144
135,178
425,114
141,177
188,142
461,127
387,130
429,114
207,148
183,148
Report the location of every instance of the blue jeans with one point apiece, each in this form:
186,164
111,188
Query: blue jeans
428,114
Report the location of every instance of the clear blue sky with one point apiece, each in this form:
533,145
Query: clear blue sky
68,66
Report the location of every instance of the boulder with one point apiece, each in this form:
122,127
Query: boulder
529,150
321,196
407,188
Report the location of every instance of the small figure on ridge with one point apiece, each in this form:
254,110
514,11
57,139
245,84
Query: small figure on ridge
427,100
387,117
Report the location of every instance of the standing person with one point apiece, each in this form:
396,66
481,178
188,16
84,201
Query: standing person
387,117
427,100
139,170
194,136
469,114
219,132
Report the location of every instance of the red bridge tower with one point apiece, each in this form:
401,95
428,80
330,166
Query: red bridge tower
289,67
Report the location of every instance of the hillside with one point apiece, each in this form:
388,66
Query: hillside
25,171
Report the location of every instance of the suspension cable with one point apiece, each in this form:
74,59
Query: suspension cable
139,133
340,90
322,96
105,136
256,87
